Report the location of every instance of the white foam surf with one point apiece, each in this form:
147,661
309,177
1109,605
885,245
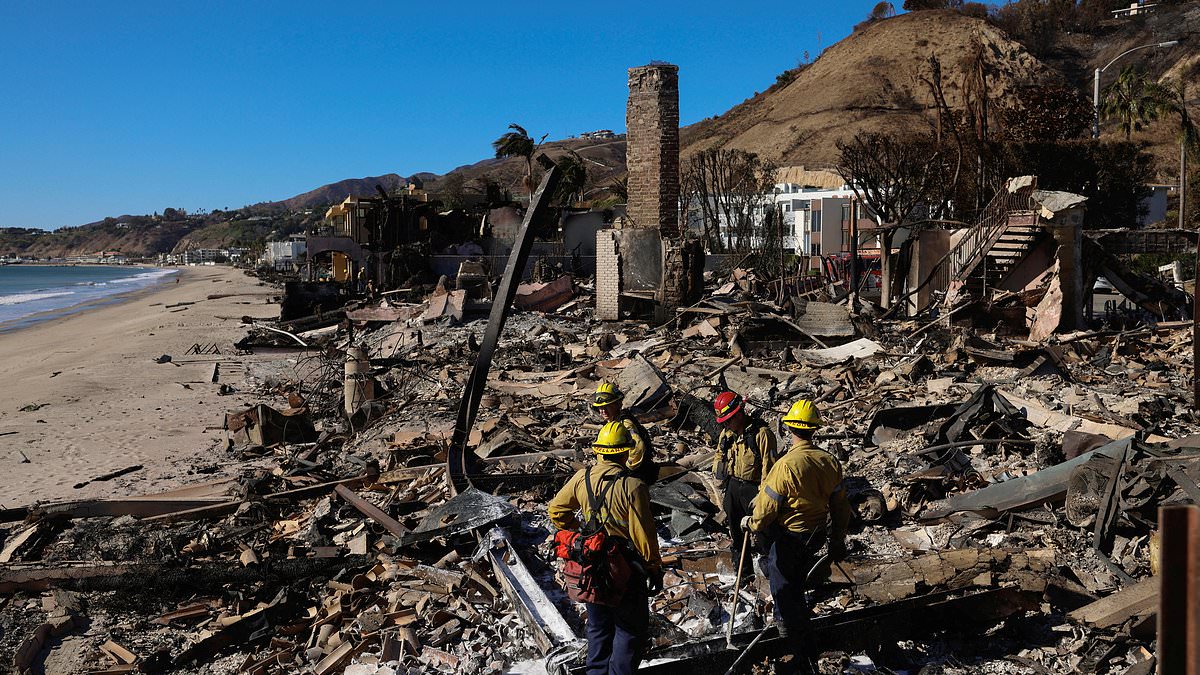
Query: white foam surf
21,298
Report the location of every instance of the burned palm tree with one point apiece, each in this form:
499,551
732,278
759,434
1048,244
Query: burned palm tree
518,143
574,178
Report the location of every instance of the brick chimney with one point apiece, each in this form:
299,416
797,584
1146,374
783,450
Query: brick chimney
652,148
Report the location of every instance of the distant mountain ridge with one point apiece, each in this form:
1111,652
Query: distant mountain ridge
336,192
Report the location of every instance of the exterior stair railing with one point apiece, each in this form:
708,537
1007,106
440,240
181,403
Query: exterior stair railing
973,246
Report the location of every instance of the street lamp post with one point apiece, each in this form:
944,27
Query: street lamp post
1096,81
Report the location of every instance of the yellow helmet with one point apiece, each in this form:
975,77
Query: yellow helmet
803,415
613,439
607,393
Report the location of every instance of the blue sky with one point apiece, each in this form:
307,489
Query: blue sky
131,107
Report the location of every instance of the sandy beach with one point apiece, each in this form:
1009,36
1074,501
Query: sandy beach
83,396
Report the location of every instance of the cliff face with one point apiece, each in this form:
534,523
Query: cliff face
150,235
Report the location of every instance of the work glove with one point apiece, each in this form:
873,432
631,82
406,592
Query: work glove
654,582
759,543
746,520
837,550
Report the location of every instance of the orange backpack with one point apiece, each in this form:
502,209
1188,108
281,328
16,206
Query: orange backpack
597,570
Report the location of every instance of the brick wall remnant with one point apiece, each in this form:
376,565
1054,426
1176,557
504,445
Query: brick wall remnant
683,274
608,276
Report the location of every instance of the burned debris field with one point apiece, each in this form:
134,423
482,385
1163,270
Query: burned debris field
1005,493
943,446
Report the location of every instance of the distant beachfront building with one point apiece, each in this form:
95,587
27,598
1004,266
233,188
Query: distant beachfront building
101,258
819,210
203,256
285,252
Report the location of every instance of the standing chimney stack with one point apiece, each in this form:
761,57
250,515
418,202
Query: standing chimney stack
652,148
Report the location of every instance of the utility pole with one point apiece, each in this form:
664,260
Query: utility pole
1182,181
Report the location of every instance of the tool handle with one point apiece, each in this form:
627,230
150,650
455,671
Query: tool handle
737,585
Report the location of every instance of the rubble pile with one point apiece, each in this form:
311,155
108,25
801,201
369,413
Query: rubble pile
995,480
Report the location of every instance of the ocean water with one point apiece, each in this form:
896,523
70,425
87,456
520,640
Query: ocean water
29,290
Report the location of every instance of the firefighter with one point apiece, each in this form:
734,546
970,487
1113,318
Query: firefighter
745,454
608,401
801,498
616,634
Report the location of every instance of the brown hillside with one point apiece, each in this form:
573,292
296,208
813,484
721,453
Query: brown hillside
869,81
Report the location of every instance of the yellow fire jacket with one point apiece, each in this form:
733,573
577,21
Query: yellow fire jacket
747,456
803,489
625,510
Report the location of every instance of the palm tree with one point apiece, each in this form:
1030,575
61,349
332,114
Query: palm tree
574,178
518,143
619,187
1132,100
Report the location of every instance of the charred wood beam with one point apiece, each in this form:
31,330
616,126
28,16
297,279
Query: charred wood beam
1179,600
313,322
460,459
30,578
371,511
223,508
164,510
165,580
138,508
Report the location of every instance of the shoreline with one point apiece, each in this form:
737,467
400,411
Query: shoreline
47,263
31,320
83,395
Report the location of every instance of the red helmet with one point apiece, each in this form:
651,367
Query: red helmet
727,405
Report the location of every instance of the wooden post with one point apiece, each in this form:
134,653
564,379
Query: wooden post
1178,609
1196,330
852,298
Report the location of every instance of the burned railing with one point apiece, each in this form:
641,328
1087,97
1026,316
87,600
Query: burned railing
973,247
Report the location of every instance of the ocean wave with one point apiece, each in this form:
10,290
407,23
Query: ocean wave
145,276
20,298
